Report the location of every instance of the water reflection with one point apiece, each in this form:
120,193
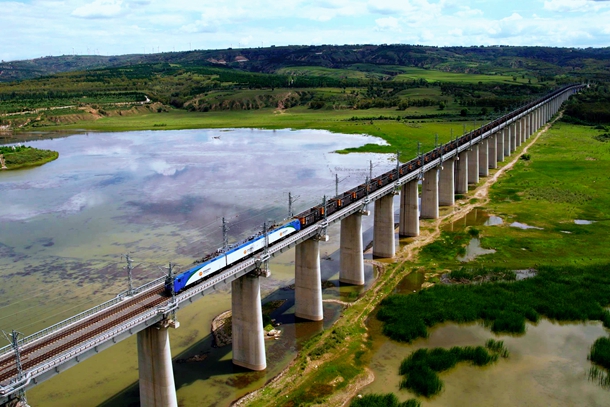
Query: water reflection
474,250
547,367
161,195
524,226
476,217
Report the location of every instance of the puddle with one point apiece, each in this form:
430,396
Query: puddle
476,217
493,221
524,226
523,274
583,222
474,250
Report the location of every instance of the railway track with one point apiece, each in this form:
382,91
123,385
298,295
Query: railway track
73,335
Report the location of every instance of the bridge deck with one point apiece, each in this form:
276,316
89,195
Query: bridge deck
88,333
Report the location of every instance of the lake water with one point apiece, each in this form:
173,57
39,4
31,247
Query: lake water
161,196
547,366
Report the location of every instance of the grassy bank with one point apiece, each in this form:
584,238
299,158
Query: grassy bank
23,157
402,135
566,179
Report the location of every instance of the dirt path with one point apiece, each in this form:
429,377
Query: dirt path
481,193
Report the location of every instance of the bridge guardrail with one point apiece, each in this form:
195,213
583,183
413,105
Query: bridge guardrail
79,317
199,289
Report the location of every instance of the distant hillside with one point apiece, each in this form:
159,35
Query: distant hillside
542,62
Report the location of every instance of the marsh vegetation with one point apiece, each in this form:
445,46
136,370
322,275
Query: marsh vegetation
421,367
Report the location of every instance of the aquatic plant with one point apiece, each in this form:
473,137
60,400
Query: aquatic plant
600,376
559,293
421,367
383,400
600,352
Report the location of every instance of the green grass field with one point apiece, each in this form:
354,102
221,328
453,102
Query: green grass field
566,179
401,135
431,75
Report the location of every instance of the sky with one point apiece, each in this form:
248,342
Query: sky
36,28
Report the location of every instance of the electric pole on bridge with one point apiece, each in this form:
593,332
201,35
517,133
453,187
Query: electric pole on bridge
336,185
170,275
14,340
129,269
225,235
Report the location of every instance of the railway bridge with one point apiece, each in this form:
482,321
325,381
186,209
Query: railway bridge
148,312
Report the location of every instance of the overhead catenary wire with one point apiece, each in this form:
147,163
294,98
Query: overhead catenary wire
300,204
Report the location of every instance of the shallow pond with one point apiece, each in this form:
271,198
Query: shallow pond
474,250
547,367
160,196
476,217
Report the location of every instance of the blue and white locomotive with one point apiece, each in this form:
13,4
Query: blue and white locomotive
231,256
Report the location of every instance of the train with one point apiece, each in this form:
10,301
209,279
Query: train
220,260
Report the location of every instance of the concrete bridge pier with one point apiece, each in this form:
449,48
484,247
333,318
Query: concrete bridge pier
247,321
492,151
461,186
446,188
519,132
157,387
500,145
307,281
383,228
351,267
409,210
507,140
484,158
429,195
513,137
473,164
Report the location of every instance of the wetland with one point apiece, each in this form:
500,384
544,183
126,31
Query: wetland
161,196
548,359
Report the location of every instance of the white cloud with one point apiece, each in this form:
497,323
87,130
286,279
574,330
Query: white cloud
388,23
469,12
51,27
99,9
575,5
